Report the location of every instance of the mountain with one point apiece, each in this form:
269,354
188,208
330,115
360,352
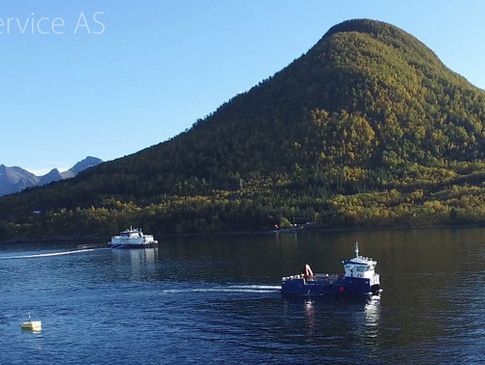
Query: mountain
82,165
51,176
15,179
368,128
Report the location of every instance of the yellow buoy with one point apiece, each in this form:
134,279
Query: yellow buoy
31,325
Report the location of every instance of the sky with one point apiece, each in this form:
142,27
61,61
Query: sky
109,78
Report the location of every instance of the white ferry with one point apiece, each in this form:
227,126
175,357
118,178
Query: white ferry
133,238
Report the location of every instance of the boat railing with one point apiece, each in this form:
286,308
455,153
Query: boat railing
326,276
292,277
315,277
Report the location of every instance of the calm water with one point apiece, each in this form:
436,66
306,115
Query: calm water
216,300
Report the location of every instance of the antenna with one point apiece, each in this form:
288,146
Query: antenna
356,249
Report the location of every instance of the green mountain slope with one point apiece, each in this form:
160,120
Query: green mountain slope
367,128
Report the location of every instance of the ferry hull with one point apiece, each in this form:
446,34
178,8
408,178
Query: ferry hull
133,245
343,286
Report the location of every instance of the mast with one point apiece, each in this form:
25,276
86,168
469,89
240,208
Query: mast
356,249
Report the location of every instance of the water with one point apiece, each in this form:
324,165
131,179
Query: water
217,300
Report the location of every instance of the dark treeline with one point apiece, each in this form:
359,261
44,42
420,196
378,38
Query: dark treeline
367,128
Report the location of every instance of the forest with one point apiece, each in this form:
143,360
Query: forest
367,129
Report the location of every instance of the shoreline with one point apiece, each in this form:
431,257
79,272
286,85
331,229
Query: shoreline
87,239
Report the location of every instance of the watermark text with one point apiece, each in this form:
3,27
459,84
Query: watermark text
85,23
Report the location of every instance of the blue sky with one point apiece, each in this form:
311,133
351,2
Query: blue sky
157,66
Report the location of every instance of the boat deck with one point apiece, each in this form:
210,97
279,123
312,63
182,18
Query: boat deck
317,277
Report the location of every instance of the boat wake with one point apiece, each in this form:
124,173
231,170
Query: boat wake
62,253
227,289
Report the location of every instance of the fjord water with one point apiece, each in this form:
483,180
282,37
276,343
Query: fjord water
216,300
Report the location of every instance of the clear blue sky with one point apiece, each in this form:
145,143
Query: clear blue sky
160,65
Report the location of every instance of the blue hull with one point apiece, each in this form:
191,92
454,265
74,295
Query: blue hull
341,286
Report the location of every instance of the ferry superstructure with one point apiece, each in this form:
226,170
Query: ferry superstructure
133,238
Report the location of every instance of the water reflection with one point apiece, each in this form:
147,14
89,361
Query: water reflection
372,310
361,316
310,314
139,261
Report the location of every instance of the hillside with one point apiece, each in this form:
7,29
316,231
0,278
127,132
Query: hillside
367,128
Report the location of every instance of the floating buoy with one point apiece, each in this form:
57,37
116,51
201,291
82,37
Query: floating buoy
30,325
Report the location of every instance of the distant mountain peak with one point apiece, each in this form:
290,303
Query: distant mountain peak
86,163
51,176
14,179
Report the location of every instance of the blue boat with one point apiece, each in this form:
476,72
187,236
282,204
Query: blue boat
359,279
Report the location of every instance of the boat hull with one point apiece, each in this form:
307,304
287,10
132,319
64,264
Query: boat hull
134,245
327,286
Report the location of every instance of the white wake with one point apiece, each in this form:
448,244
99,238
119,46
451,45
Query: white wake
46,254
227,289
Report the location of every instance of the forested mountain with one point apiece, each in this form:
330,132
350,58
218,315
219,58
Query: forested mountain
367,128
15,179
